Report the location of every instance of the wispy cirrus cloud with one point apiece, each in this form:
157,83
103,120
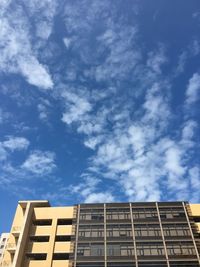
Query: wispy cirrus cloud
134,148
17,52
76,107
31,165
115,89
12,144
39,163
193,89
16,143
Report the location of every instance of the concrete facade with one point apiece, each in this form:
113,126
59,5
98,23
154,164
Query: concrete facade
3,243
150,234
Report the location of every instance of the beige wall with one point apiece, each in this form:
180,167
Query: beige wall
22,228
195,210
3,244
19,242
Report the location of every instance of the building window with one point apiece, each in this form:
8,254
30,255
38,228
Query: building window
126,250
39,238
153,249
60,256
118,214
64,222
42,222
172,212
62,238
95,215
176,230
181,248
119,230
36,256
83,250
113,249
97,250
147,230
91,231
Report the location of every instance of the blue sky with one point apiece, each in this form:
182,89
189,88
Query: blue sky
99,101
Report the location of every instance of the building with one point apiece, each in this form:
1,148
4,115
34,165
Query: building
152,234
3,242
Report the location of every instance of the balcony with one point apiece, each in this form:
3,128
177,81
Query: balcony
11,247
60,263
16,230
64,230
5,264
40,230
62,247
37,247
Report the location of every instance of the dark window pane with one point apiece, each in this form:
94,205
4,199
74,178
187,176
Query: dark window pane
42,222
63,238
64,222
36,256
60,256
39,238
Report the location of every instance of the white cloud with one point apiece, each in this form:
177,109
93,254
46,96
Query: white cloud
16,143
76,108
156,106
188,130
195,47
194,176
42,112
43,109
3,153
35,73
121,59
139,157
105,197
42,13
173,161
92,142
182,62
40,163
88,190
135,148
17,53
4,116
193,89
12,144
67,42
156,60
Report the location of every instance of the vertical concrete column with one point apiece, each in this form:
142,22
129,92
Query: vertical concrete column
162,233
19,253
49,260
191,232
76,239
105,238
133,231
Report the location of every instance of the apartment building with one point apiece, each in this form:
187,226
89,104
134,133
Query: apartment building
3,243
152,234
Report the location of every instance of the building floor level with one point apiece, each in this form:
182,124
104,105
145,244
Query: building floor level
141,234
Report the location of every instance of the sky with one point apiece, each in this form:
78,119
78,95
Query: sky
99,101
